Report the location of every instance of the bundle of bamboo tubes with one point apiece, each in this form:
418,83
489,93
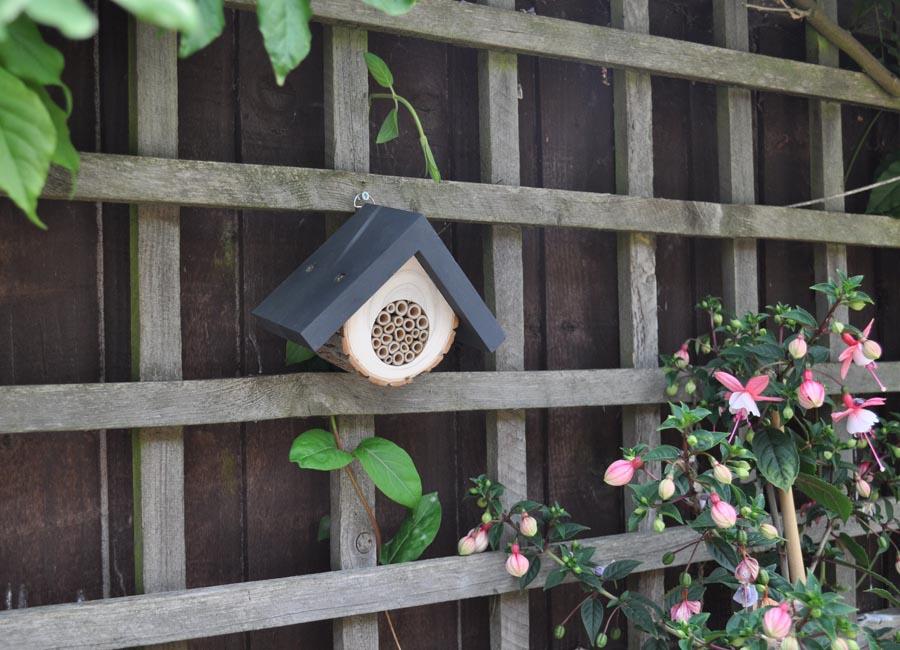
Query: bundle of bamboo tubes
400,332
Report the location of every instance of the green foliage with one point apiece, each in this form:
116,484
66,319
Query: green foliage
177,15
825,494
72,18
294,353
778,458
284,25
886,198
592,616
392,7
391,470
316,449
379,70
209,26
416,533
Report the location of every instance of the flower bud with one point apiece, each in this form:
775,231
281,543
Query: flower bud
666,489
722,473
669,557
659,525
863,488
559,631
615,634
622,471
777,622
482,503
763,577
736,324
481,538
692,440
747,570
746,511
837,327
797,347
672,390
723,513
787,413
601,640
810,393
857,305
486,517
883,543
827,454
706,348
749,438
685,579
871,350
466,545
852,644
690,387
790,643
682,356
528,525
717,319
516,563
768,531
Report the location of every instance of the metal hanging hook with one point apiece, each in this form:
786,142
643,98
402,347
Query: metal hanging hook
362,198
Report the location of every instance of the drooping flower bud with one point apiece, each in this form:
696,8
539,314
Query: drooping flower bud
622,471
683,611
797,347
810,394
790,643
516,563
837,327
863,488
481,537
682,356
466,545
659,525
722,473
666,489
528,525
747,570
768,531
871,350
777,622
723,513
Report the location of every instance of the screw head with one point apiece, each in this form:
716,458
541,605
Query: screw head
364,542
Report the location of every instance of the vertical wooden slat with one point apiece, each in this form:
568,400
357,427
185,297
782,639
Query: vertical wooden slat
504,290
638,328
347,147
734,122
156,325
826,159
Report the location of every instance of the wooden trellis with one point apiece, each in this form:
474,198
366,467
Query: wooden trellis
160,403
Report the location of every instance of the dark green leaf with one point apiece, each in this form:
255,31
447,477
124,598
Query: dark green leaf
801,316
284,25
316,449
210,25
619,569
416,533
379,70
430,165
324,532
884,593
706,440
669,510
180,15
534,567
592,617
295,353
65,155
389,128
565,531
824,493
391,470
494,536
777,457
27,144
663,452
886,199
722,552
638,614
554,578
70,17
392,7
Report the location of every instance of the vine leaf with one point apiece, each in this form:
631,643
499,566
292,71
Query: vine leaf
430,164
180,15
389,128
285,28
27,55
295,353
379,70
27,144
391,470
592,617
778,459
316,449
826,494
210,25
392,7
416,533
70,17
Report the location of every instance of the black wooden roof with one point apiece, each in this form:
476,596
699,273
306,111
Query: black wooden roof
317,298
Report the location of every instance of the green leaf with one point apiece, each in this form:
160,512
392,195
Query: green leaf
801,316
554,578
722,552
416,533
663,452
824,493
706,440
430,165
324,532
210,25
70,17
180,15
534,567
886,199
638,614
777,457
619,569
27,143
65,155
392,7
9,9
285,28
26,55
379,70
389,128
592,617
316,449
295,353
391,470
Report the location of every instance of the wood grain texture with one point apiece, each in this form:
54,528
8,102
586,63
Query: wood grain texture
826,178
265,604
638,325
503,284
734,118
347,147
156,331
131,179
482,27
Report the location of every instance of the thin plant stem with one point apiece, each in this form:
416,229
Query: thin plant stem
394,97
390,622
859,146
819,551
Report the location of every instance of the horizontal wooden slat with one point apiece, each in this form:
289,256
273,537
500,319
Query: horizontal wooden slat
70,407
212,611
130,179
483,27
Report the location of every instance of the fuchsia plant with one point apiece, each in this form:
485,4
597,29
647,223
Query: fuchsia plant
758,418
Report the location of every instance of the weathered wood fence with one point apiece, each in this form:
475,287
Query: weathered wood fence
161,404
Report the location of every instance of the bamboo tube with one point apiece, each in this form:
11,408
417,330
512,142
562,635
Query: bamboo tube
408,357
394,347
390,308
401,307
423,335
389,328
386,339
382,352
397,359
417,347
404,347
377,332
422,322
414,311
398,322
408,324
383,318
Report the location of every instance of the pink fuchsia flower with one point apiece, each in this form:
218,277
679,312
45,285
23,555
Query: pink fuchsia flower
622,471
862,352
746,595
747,570
859,419
481,537
466,545
810,393
516,563
723,513
777,622
475,541
744,398
528,525
682,612
682,356
797,348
